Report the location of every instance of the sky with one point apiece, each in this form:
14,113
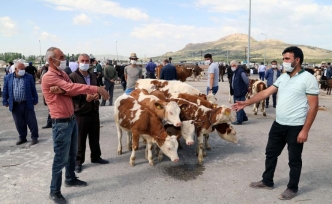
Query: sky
154,27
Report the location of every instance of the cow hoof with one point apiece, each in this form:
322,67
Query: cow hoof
130,148
151,163
204,154
160,159
255,113
264,114
208,148
132,163
119,152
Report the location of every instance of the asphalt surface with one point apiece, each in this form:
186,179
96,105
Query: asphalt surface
25,171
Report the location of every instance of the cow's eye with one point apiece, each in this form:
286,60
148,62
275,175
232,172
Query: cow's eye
171,113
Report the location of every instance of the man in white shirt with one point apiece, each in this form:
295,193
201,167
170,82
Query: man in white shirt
261,71
213,74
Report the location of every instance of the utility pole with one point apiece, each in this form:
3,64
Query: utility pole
248,56
265,47
40,54
116,49
227,56
201,55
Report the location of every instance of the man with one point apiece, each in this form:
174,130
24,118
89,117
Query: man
31,70
150,70
87,115
49,121
132,73
261,71
58,91
329,71
8,67
213,74
20,95
73,65
297,108
271,76
168,72
99,72
110,76
239,89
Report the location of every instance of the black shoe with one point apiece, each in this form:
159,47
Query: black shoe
246,119
33,142
76,183
57,197
267,106
78,168
21,141
100,161
274,106
47,126
236,123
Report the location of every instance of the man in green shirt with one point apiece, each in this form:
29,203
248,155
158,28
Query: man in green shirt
110,76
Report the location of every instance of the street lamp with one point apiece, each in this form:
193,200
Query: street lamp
248,56
116,49
265,47
40,53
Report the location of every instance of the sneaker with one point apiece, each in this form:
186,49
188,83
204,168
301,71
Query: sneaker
100,161
57,197
260,184
78,168
21,141
287,194
76,183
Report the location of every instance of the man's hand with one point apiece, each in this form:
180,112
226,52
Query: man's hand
112,80
238,105
104,94
302,137
89,98
96,96
56,90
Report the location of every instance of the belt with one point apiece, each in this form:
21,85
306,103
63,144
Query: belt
63,120
19,102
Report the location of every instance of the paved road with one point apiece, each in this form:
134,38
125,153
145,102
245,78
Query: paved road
25,171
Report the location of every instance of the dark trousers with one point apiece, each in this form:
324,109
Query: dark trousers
110,88
24,117
88,126
100,81
279,136
240,115
274,99
65,149
214,90
150,75
261,75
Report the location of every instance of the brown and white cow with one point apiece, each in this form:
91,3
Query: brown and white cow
205,118
169,111
257,87
167,86
195,99
222,71
138,120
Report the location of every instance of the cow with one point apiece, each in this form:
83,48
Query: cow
169,111
138,121
167,86
251,83
198,73
183,72
257,87
205,118
222,71
327,84
225,132
195,99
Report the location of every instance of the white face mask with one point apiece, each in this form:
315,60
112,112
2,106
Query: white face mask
288,66
62,65
233,69
21,72
207,62
133,61
274,66
84,67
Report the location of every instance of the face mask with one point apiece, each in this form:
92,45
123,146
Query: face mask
62,65
233,69
274,66
207,62
21,72
84,67
133,61
288,66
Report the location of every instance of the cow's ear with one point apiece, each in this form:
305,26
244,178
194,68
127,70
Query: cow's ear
183,106
158,105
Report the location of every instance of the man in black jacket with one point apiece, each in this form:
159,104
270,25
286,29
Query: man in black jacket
168,72
31,70
87,115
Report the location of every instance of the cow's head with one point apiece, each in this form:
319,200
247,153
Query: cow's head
226,132
222,114
170,148
172,114
211,98
188,131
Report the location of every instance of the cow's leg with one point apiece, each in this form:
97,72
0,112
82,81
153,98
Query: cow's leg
200,147
222,78
135,142
263,107
129,140
206,142
149,150
119,131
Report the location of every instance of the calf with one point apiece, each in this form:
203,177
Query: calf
257,87
138,120
195,99
222,71
183,72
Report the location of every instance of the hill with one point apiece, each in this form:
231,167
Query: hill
234,46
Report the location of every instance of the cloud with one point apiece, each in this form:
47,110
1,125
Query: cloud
102,7
48,37
81,19
7,26
63,8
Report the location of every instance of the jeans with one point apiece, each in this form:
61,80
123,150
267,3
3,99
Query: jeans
279,136
274,99
23,117
110,88
214,90
65,149
261,75
129,90
240,115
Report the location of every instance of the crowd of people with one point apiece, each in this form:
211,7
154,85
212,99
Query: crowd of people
73,92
